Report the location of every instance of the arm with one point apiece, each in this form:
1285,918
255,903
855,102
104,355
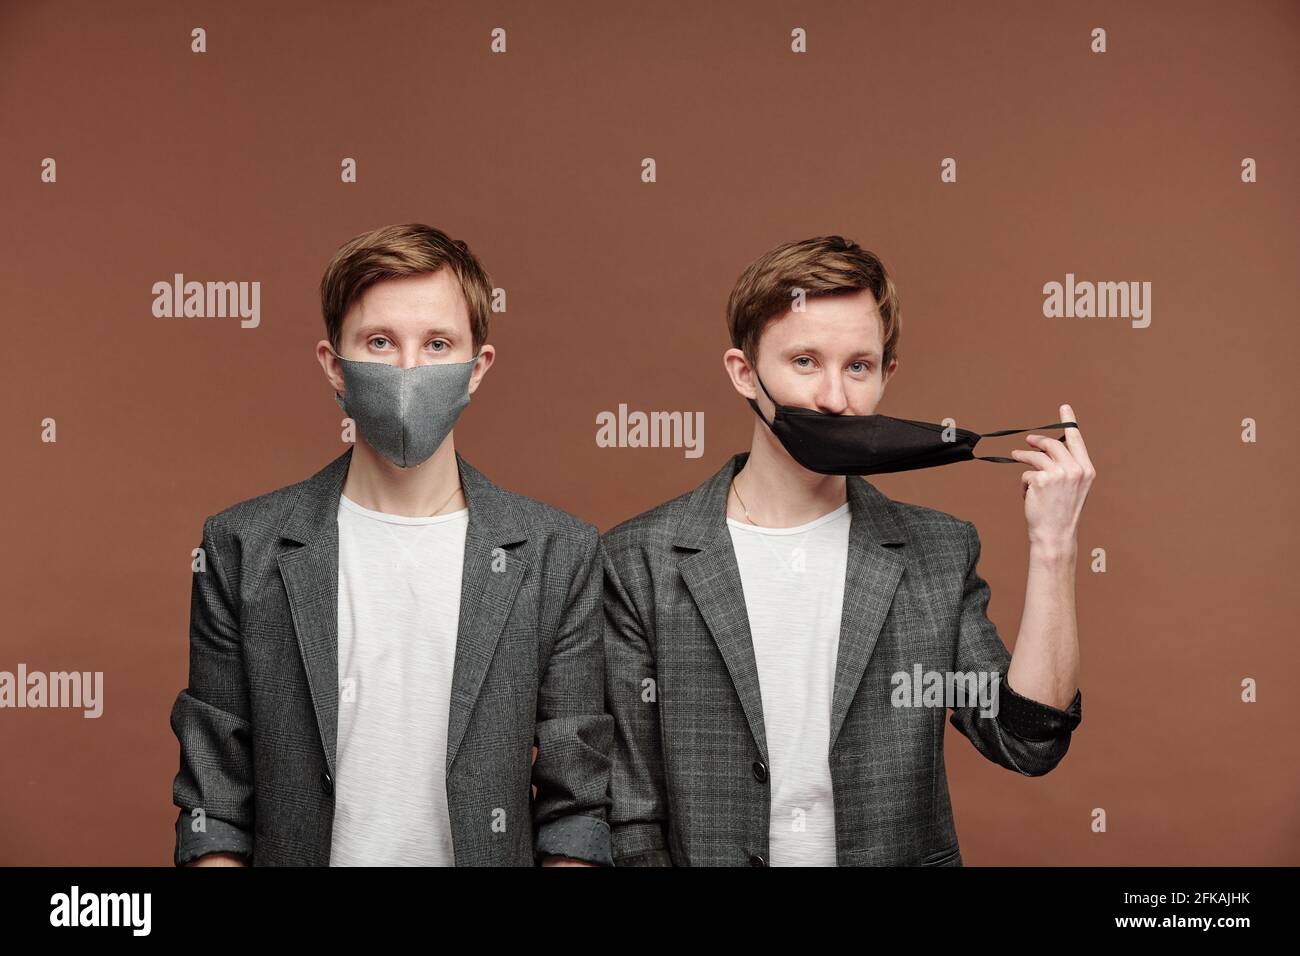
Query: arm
1025,735
1030,733
571,772
210,720
640,808
1046,663
1045,666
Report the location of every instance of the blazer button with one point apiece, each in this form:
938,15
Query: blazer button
757,860
760,771
327,781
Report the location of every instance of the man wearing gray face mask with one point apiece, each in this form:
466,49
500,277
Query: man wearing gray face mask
387,657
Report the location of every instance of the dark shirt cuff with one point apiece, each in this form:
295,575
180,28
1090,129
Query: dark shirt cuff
578,837
218,837
1032,720
646,858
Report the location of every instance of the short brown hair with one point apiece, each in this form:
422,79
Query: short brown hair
826,265
405,250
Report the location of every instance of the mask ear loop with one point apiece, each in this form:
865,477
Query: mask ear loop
754,405
1017,431
337,397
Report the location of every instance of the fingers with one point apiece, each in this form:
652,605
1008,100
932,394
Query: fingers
1056,452
1050,454
1038,459
1074,441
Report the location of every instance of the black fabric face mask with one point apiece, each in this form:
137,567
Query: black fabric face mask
874,444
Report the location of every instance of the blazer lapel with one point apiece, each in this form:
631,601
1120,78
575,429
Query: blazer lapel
311,580
490,579
872,575
712,576
870,580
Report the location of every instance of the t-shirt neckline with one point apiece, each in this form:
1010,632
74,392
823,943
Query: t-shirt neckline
350,505
797,529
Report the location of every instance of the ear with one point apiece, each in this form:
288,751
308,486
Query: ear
889,373
486,356
741,373
333,370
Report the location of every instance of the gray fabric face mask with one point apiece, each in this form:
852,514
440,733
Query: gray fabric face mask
405,413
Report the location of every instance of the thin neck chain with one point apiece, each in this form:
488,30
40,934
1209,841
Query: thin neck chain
742,502
449,497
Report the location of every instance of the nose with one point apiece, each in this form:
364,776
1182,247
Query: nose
409,356
830,397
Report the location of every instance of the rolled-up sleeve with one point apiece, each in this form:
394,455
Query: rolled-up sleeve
1025,735
1030,719
216,836
571,772
639,817
210,719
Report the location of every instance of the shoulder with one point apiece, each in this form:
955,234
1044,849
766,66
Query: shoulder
549,530
547,521
652,529
928,531
242,538
925,522
266,511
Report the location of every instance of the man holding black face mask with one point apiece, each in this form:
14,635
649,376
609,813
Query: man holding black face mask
783,643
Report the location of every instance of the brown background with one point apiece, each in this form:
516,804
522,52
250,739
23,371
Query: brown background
225,166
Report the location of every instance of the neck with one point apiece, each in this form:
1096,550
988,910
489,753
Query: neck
431,487
778,491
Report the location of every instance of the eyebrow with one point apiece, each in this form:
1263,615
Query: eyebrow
428,333
800,349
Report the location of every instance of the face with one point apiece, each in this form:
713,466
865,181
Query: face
407,321
826,358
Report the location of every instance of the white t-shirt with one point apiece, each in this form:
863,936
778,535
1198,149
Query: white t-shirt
793,579
398,611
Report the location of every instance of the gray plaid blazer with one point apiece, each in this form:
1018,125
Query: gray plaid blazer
257,724
689,779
